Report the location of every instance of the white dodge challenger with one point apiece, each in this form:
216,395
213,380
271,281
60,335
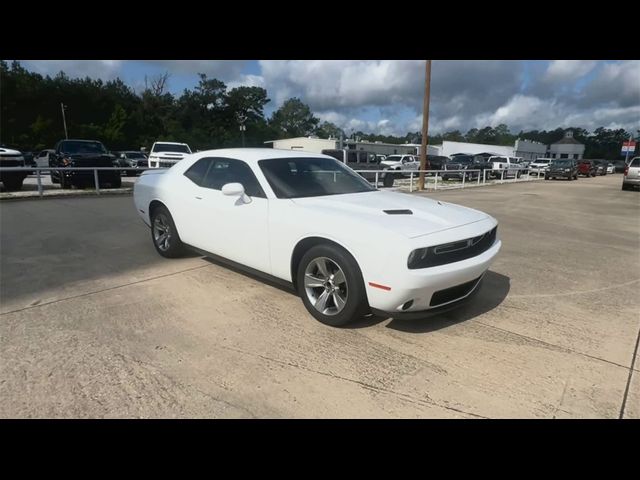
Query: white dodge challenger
309,220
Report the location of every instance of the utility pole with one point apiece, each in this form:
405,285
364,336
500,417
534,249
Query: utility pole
64,120
425,125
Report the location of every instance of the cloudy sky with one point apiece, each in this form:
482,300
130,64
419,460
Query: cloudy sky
385,96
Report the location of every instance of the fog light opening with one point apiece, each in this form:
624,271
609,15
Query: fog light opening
407,305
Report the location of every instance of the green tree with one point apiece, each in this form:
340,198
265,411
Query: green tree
293,119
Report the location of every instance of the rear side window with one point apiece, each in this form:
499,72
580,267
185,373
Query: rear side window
198,171
227,170
635,162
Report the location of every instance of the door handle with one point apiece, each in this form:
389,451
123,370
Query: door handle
198,198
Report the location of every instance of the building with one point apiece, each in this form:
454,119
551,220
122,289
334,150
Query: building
529,150
568,147
316,145
304,144
449,148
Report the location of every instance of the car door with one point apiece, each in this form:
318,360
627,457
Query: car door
226,225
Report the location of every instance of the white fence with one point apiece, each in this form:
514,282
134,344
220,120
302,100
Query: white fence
467,178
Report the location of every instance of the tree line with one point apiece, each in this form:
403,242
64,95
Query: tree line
207,116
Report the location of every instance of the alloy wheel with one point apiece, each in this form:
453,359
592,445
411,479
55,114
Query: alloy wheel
326,286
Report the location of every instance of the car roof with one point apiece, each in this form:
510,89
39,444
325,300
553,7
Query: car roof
253,155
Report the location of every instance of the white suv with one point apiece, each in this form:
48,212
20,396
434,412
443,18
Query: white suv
631,177
167,154
539,165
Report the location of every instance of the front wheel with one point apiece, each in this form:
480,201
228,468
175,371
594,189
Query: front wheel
164,234
13,184
330,284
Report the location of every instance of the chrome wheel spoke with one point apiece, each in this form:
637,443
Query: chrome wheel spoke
338,301
321,302
322,268
311,281
338,277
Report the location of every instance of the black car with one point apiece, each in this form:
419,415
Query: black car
437,162
138,161
563,168
465,162
619,166
82,153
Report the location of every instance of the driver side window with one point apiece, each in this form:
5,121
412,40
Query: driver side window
226,170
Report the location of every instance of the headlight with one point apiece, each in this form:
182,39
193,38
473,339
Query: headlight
417,257
567,169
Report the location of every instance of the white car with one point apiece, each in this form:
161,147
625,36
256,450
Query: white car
309,220
167,154
506,166
401,162
539,166
611,168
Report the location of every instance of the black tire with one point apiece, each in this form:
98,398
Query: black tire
12,184
388,180
116,182
624,187
54,179
575,177
356,305
174,248
547,178
64,182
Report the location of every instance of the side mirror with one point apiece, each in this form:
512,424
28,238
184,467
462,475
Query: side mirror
236,190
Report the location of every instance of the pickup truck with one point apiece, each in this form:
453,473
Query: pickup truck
361,160
587,168
11,158
82,154
167,154
511,166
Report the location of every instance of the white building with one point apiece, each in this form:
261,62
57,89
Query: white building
449,148
568,147
316,145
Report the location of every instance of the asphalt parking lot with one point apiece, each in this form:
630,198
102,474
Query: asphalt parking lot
93,323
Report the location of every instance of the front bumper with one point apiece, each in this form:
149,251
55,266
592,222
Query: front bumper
420,314
631,181
420,285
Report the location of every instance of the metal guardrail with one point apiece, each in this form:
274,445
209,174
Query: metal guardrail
482,174
40,170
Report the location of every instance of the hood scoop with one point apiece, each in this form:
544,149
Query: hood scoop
398,212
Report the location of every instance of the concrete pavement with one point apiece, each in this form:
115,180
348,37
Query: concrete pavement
93,323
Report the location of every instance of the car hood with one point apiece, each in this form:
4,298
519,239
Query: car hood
390,163
428,216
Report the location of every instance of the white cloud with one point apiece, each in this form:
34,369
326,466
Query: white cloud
247,81
104,69
563,70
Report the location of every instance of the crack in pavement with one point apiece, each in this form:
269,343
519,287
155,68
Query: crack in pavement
182,385
558,347
403,396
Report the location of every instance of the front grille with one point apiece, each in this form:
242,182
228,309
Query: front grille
453,293
166,164
455,251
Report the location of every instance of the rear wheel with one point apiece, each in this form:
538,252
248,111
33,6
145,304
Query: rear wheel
12,184
164,233
330,284
116,182
388,180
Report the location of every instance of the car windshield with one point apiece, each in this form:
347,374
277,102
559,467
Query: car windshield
393,158
311,177
170,147
542,161
135,155
561,163
82,147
